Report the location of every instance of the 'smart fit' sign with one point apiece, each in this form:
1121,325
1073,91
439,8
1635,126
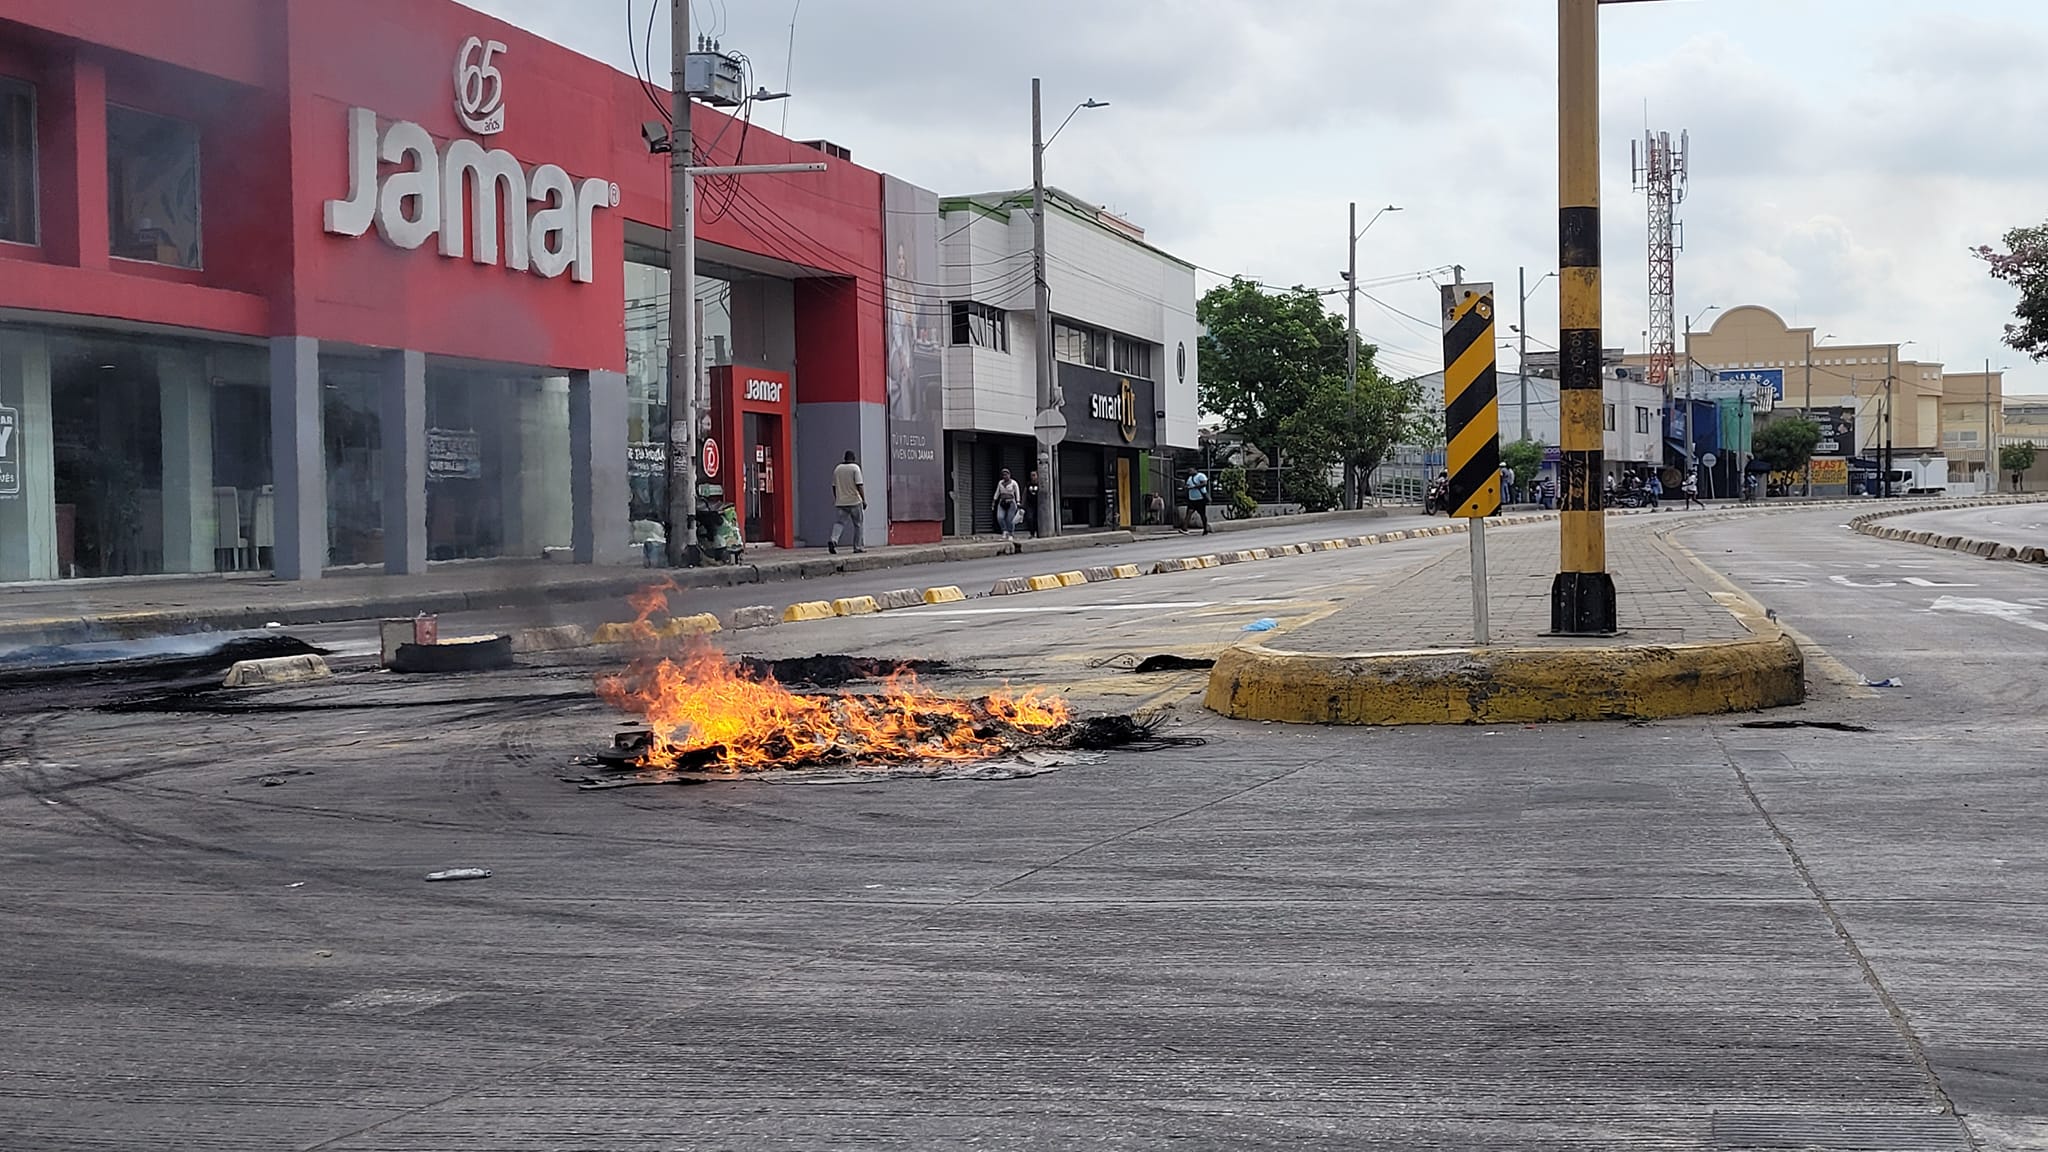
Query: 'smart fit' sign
10,452
547,212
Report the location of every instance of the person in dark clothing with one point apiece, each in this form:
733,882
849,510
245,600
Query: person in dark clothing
1032,494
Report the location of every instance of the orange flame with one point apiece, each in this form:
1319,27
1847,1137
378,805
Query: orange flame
701,709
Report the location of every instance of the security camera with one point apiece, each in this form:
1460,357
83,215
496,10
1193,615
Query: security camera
656,135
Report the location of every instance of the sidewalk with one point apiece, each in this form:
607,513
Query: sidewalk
1661,597
1403,653
82,611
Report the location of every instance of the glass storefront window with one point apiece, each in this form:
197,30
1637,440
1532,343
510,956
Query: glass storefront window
646,396
161,457
17,162
465,464
353,434
152,188
647,349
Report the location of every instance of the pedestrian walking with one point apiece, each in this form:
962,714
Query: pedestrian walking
1507,484
1656,490
849,503
1009,502
1692,490
1198,498
1032,493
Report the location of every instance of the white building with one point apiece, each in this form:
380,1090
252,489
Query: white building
1124,337
1633,411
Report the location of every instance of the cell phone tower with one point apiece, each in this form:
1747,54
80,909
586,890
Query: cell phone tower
1659,170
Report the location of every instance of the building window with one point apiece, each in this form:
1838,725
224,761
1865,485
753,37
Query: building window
152,188
1078,345
1642,419
979,325
1132,357
1610,417
17,162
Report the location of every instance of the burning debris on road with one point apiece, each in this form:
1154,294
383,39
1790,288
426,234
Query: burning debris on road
707,717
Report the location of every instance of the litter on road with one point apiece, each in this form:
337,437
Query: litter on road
460,874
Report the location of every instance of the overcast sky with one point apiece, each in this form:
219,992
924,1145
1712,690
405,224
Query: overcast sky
1845,153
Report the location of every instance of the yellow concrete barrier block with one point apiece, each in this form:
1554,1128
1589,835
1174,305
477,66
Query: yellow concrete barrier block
1262,554
855,606
944,594
1336,543
1044,583
1204,562
1125,571
808,610
699,625
1069,579
624,633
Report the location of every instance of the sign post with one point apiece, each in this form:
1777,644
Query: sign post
1472,427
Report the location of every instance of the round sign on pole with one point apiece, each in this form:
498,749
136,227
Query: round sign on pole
1709,459
710,459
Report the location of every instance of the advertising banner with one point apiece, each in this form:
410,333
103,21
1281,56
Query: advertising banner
1107,408
10,452
916,321
1745,382
454,454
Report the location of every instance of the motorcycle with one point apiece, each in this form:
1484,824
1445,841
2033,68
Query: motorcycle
718,526
1435,496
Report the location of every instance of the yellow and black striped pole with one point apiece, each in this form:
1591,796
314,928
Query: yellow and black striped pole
1582,596
1472,427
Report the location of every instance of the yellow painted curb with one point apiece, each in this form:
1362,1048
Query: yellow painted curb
1336,544
1044,583
855,606
808,610
944,594
622,633
1262,554
1203,562
1069,579
1508,685
1125,571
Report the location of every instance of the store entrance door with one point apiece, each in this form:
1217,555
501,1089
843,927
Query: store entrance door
761,475
1123,491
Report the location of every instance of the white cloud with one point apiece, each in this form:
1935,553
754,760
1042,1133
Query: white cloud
1845,151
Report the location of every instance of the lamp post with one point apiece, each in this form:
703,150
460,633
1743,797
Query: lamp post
1522,353
1690,468
1051,423
1351,341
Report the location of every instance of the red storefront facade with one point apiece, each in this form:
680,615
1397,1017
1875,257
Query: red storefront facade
268,219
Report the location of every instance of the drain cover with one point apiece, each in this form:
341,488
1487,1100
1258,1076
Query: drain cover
1839,1131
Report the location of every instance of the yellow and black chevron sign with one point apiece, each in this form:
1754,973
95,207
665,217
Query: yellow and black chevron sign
1471,403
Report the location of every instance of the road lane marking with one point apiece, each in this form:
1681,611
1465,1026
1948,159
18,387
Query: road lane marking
1845,582
1925,583
2006,610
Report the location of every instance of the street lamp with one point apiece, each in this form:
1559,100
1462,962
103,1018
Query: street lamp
1050,426
1891,371
1351,342
1690,364
1522,352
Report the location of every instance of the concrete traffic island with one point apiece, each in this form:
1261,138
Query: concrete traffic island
1401,654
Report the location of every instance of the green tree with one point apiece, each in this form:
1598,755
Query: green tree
1235,487
1525,457
2024,265
1787,443
1274,367
2016,458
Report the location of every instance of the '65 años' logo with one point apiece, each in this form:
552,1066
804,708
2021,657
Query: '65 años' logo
479,88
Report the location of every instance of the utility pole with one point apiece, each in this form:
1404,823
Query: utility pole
682,297
1582,595
1891,369
1522,355
1351,360
1990,476
1048,386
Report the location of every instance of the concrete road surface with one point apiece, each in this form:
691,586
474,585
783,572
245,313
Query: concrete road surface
1702,935
2020,525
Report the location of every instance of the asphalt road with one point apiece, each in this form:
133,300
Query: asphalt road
1679,935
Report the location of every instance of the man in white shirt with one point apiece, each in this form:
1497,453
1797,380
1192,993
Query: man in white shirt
849,501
